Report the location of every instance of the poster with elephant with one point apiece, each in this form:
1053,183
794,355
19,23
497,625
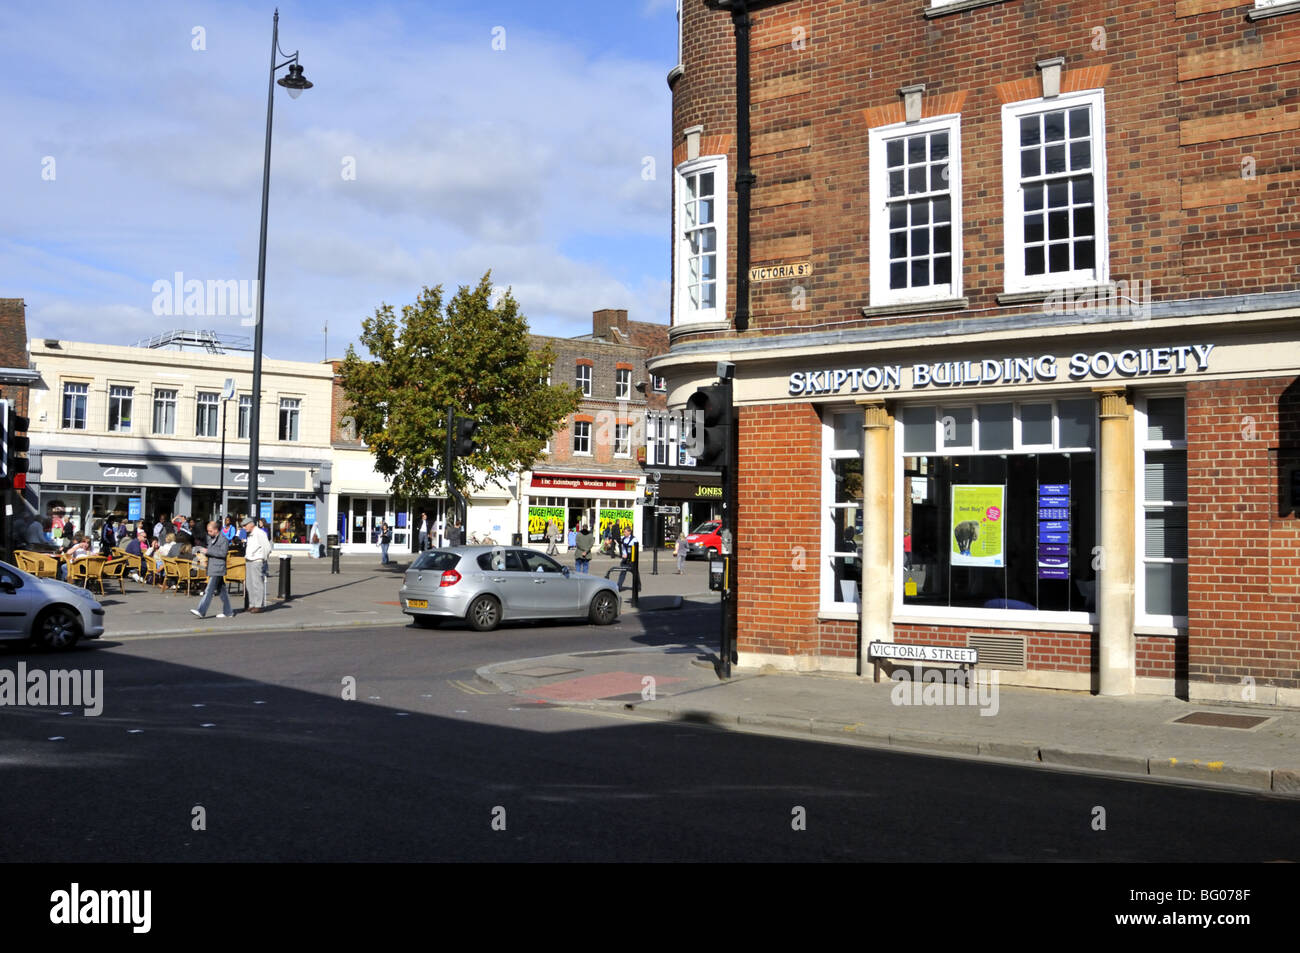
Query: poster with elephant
977,525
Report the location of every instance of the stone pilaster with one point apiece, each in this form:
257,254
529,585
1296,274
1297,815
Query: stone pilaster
877,594
1117,663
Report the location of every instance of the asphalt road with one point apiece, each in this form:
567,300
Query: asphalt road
253,729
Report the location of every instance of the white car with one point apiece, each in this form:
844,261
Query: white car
46,612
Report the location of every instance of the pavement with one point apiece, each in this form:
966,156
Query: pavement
1137,737
363,593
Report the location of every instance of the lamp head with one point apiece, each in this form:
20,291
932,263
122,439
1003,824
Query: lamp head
295,82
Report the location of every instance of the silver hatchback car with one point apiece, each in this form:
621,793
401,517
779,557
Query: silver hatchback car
46,612
486,585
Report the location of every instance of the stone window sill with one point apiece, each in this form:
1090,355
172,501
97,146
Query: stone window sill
1263,13
914,307
958,7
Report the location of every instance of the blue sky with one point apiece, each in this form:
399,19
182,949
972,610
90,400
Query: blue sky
129,155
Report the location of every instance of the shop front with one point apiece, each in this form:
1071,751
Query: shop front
78,494
604,504
686,500
1075,512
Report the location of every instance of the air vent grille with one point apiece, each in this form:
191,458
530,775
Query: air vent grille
999,651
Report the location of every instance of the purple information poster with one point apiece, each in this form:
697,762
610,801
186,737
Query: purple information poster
1053,531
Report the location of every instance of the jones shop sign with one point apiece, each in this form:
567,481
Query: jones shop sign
1047,368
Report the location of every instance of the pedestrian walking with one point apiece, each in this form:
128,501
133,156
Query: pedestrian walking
582,551
457,535
255,559
385,538
215,550
425,526
680,551
552,531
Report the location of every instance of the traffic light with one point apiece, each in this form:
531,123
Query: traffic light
710,409
15,467
463,437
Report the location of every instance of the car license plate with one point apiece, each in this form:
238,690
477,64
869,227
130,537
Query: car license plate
417,603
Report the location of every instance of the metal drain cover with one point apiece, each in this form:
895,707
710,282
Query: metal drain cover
1214,719
542,671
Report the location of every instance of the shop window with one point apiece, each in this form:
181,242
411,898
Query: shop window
1054,180
1162,539
582,379
74,406
842,535
290,408
164,412
245,415
916,219
120,401
701,240
582,437
207,411
997,506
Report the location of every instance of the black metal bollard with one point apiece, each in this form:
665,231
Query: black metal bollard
636,573
286,581
334,560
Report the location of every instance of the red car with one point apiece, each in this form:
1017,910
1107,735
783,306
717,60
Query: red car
704,541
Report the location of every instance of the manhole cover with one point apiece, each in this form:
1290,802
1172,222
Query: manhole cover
1212,719
543,671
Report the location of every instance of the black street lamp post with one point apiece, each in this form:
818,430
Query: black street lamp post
295,83
227,392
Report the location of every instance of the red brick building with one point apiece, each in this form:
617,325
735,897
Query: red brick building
1020,369
16,377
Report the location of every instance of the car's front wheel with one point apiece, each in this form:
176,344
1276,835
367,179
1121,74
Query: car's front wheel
604,608
484,614
57,628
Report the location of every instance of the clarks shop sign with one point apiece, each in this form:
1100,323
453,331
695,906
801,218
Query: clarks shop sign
103,471
279,479
1134,362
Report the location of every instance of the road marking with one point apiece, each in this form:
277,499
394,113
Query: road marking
467,688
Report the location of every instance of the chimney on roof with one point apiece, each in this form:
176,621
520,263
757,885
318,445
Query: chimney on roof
606,319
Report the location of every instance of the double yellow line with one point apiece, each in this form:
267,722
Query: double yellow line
467,688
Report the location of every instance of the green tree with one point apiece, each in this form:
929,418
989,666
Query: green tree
470,356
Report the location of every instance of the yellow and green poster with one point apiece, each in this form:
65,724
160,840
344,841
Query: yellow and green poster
620,519
539,516
977,525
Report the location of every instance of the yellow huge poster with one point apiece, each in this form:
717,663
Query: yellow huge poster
977,525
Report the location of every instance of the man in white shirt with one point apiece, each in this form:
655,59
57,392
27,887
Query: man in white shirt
257,550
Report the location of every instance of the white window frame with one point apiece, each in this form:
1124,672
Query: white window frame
660,384
1141,448
164,397
582,377
582,431
829,607
682,312
207,408
622,440
1013,196
1080,621
622,383
125,393
67,422
881,294
244,420
293,405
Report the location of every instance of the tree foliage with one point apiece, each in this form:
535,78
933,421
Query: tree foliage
470,356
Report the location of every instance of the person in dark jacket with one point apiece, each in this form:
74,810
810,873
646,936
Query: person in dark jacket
216,549
109,539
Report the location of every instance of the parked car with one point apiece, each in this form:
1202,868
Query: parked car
704,540
488,585
46,612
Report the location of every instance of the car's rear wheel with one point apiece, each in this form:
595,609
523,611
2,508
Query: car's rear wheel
484,614
57,628
426,621
604,608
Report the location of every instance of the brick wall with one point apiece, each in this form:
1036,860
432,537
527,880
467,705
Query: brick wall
13,348
1202,112
1243,532
780,454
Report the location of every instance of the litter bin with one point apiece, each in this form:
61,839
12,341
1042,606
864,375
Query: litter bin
286,582
516,539
334,560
